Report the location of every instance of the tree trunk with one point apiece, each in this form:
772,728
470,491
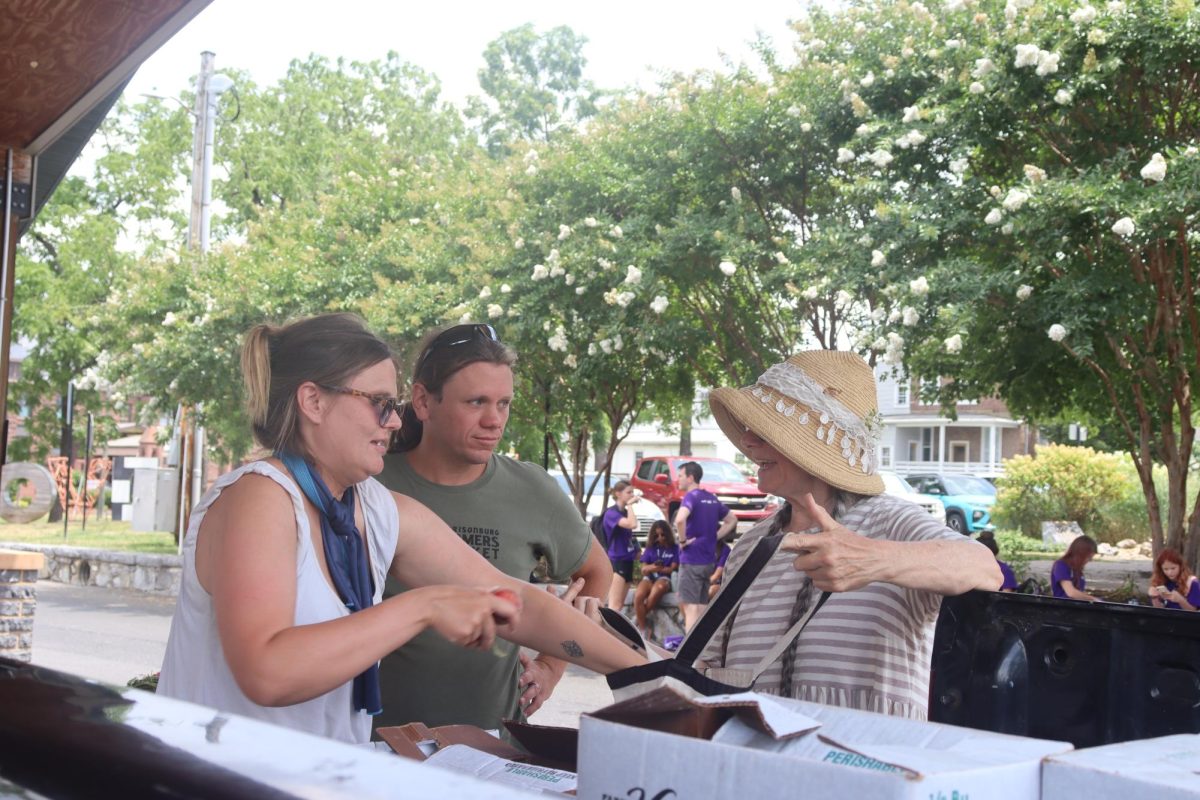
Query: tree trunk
685,437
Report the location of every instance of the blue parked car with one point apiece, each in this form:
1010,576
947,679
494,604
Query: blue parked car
968,500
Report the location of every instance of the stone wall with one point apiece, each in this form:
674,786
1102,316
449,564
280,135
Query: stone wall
88,567
18,602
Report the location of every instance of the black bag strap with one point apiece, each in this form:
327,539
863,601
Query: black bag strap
727,600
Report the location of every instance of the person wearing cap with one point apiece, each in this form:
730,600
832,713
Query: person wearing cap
811,425
510,512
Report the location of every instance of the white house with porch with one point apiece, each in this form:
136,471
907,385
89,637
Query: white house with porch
918,439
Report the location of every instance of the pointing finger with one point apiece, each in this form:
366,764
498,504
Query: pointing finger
818,513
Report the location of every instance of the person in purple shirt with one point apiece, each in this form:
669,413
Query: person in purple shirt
1066,576
1172,585
988,540
619,524
659,560
701,520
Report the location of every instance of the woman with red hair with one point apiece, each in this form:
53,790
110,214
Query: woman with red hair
1172,585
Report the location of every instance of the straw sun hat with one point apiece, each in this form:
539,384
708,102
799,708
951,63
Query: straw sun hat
818,409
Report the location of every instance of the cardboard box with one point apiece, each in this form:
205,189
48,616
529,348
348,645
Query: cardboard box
1166,767
755,746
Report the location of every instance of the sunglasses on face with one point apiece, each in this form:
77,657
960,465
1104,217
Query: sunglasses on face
459,334
384,402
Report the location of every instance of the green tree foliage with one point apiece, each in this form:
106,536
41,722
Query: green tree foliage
535,87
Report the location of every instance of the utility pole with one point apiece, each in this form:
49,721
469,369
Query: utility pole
209,87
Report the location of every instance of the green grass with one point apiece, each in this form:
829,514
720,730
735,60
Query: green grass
101,534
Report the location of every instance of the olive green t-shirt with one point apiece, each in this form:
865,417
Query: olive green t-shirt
514,513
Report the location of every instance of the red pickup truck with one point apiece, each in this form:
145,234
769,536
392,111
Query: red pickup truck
655,477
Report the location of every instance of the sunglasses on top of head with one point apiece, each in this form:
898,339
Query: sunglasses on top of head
456,335
386,403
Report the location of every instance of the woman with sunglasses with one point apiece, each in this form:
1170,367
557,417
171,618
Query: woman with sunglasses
280,614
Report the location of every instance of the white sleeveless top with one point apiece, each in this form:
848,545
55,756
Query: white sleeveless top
194,666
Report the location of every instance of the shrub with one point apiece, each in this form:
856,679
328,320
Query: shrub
1062,483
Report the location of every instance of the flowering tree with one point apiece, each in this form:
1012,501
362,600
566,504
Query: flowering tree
1046,216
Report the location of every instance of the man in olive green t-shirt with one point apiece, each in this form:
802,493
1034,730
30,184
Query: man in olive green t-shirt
510,512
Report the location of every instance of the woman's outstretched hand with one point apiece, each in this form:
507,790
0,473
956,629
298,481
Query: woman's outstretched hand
836,558
469,616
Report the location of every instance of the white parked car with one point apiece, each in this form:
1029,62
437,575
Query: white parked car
896,486
647,512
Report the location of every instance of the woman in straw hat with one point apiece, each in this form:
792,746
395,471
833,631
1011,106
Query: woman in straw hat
811,426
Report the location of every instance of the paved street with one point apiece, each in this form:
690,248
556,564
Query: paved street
110,635
113,635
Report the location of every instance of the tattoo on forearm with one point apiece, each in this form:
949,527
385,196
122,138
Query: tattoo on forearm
572,648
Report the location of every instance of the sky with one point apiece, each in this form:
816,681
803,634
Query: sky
629,41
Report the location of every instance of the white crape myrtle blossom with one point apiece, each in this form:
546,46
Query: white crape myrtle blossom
563,232
995,192
958,166
540,272
1034,174
895,350
878,313
1116,7
590,222
878,259
994,217
867,80
625,298
485,293
169,318
805,127
955,5
1047,63
505,288
519,243
879,345
465,318
1007,228
414,220
569,280
571,361
727,267
1024,291
1084,15
633,275
781,259
910,316
494,311
659,304
844,155
606,346
954,344
580,289
1027,56
893,316
880,158
1124,227
1057,332
616,232
1014,200
1097,36
1064,97
843,298
558,342
557,270
911,114
1155,169
862,130
919,286
794,111
811,293
736,194
910,139
954,44
983,68
976,88
531,169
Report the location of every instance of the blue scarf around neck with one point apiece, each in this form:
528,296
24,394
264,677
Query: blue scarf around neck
347,559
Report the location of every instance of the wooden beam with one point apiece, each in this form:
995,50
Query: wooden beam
18,172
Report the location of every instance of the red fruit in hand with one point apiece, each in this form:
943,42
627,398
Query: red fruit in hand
510,596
